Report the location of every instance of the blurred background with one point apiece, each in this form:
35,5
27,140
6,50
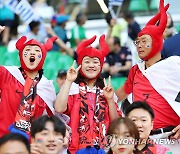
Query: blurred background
74,21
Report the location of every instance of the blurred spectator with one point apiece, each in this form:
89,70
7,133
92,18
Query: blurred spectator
119,61
47,135
34,32
59,29
170,29
14,144
61,44
73,8
133,26
78,33
171,46
39,3
117,29
6,19
53,21
42,9
61,77
14,30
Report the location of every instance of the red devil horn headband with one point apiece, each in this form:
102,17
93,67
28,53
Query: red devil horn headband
49,43
85,43
154,20
21,42
104,46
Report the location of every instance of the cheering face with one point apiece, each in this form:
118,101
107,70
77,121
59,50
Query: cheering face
91,67
50,140
32,56
143,45
122,142
143,121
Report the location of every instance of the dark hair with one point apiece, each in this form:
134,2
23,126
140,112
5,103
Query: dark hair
61,73
116,40
15,137
99,81
79,17
140,105
128,15
171,23
33,24
38,125
133,131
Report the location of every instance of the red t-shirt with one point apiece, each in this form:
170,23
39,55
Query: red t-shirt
11,91
142,90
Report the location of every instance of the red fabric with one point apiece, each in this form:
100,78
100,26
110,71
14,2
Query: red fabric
27,86
156,32
21,43
11,91
84,49
72,110
142,90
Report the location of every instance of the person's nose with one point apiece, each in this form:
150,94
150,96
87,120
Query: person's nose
138,124
91,64
51,137
139,45
32,52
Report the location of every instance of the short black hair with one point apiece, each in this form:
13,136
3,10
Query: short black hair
116,40
79,17
140,105
38,125
61,73
15,137
34,24
128,15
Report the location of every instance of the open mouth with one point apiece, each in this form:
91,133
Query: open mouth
32,59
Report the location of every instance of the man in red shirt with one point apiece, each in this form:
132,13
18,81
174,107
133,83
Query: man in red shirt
25,93
155,80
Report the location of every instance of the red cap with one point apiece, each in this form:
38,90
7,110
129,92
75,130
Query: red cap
84,49
20,45
156,32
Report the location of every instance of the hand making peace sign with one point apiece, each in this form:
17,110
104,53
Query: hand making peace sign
72,72
108,91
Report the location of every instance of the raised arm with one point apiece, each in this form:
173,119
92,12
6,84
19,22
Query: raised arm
62,98
121,94
60,43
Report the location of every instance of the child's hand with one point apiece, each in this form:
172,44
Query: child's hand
2,28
